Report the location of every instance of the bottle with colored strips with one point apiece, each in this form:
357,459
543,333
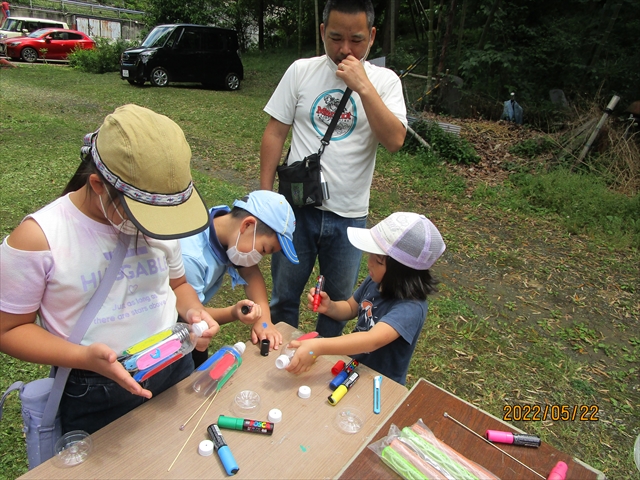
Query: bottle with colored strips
213,373
146,358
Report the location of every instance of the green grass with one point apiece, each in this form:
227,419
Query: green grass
528,311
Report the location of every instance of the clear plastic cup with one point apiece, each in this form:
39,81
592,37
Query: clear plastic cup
349,420
72,449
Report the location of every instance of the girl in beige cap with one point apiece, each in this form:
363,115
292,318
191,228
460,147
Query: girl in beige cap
133,185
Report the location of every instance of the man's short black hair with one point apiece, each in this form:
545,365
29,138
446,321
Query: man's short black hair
406,283
349,6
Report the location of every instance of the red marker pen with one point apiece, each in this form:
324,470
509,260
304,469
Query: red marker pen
497,436
316,296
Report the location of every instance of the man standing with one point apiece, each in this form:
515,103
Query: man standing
304,101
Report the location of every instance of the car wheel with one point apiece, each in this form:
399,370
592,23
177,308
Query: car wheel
159,77
232,81
135,82
29,54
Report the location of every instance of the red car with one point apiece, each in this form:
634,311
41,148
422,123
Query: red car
46,43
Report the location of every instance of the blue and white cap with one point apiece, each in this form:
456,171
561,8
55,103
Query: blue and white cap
274,210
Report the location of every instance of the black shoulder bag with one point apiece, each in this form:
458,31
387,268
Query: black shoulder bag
302,182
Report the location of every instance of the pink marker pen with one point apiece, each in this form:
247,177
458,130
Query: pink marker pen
497,436
559,472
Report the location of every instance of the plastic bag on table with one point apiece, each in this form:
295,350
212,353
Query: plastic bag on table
416,458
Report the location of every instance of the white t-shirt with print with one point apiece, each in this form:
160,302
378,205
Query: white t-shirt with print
306,98
58,283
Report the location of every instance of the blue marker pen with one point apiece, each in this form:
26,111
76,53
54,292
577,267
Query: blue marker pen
226,457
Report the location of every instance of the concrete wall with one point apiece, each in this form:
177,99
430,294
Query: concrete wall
127,29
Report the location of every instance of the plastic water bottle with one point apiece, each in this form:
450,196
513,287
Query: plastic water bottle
287,354
218,368
146,358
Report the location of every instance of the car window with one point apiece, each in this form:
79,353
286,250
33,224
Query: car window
59,35
74,36
212,41
38,33
189,41
157,37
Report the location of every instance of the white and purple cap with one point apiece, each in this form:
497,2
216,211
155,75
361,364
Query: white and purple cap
274,210
408,238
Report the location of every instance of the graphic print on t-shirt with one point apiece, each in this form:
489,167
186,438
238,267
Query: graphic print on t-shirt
323,109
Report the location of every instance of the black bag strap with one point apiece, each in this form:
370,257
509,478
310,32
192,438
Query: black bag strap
81,327
334,121
332,126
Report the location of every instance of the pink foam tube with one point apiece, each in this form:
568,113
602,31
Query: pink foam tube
559,472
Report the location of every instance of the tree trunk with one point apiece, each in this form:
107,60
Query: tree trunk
431,50
603,40
393,10
317,28
447,34
299,28
460,35
492,12
261,25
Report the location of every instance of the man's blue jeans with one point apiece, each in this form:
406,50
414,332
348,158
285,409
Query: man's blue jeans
323,235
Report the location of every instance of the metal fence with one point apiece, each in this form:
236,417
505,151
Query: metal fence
63,5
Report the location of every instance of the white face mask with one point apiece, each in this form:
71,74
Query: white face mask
242,259
125,226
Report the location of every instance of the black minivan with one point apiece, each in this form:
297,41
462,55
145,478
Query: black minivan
185,53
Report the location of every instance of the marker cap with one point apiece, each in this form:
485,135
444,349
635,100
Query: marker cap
228,462
304,392
231,423
499,437
337,394
338,380
205,448
275,415
559,472
338,367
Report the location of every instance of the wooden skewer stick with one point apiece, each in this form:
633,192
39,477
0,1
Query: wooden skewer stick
197,410
194,429
495,446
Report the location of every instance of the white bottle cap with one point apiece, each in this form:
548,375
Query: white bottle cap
240,347
275,415
304,392
205,448
282,361
199,328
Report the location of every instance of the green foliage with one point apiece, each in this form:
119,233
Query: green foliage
583,203
105,57
532,147
448,147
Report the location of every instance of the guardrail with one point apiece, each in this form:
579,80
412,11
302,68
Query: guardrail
91,6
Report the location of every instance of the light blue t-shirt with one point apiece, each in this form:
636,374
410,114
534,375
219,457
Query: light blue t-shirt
206,261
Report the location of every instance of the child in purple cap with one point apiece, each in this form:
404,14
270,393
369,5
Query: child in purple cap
390,304
235,241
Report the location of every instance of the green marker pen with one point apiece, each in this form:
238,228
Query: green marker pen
256,426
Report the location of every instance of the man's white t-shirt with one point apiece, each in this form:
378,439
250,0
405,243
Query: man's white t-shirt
58,283
306,98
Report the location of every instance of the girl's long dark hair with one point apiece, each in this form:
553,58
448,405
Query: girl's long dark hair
81,178
405,283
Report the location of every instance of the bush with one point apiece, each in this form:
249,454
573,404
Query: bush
583,202
105,57
448,147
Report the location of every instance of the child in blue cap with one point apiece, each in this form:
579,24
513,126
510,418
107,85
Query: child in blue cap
259,224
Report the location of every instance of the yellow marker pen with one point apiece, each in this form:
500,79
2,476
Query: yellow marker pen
341,391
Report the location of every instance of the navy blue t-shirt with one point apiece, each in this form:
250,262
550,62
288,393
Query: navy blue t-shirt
405,316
